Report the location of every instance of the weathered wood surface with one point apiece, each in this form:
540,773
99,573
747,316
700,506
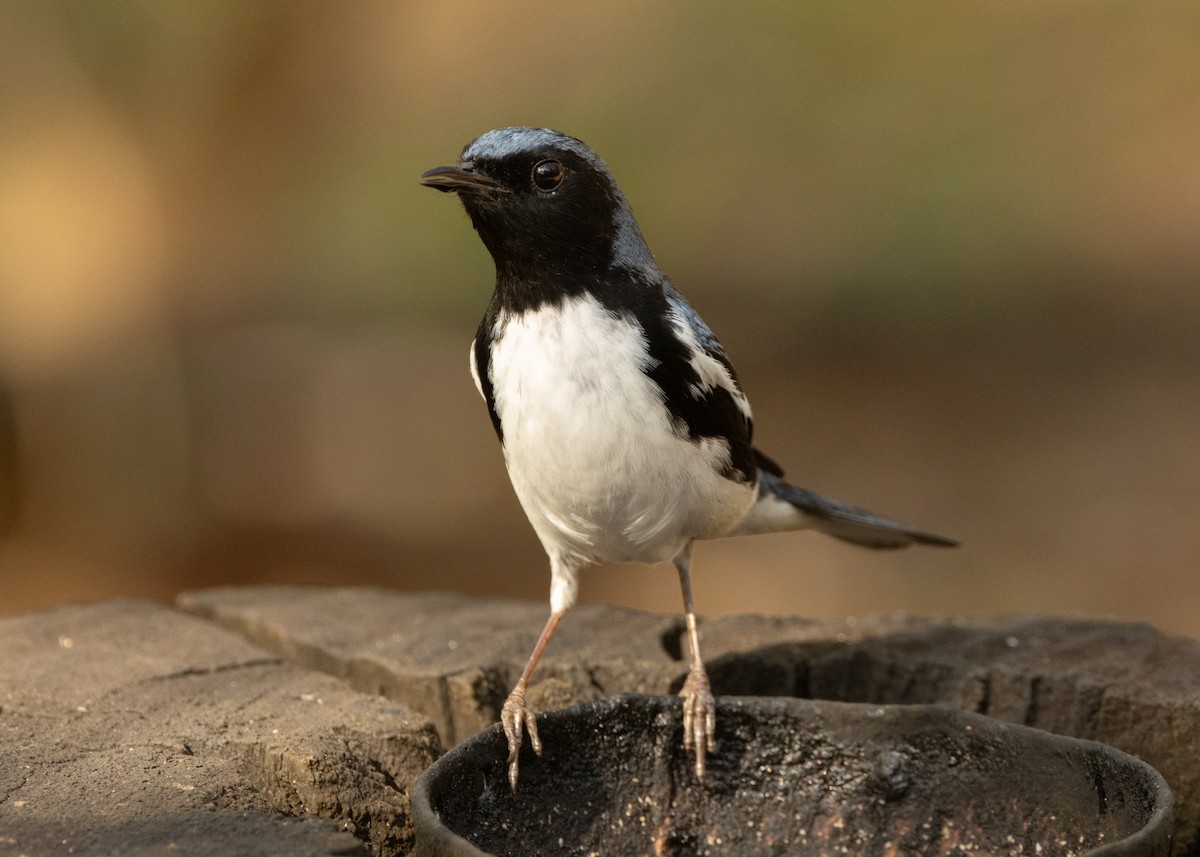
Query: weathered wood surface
128,728
285,720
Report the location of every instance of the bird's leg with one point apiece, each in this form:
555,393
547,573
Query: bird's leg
699,707
515,716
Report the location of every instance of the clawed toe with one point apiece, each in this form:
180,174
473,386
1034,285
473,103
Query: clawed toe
699,718
518,719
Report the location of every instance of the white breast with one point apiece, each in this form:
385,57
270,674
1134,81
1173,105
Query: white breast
591,451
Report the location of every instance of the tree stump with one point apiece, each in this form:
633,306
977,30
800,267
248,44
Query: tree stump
296,720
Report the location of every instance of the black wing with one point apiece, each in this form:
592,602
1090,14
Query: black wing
699,384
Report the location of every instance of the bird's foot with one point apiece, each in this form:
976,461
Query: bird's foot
699,717
517,718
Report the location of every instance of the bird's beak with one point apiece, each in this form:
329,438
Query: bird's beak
461,178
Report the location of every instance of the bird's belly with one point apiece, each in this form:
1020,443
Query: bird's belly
620,496
593,456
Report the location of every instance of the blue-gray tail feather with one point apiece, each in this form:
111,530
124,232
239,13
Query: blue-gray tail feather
846,522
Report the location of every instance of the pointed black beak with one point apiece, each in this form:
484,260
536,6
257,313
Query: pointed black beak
461,178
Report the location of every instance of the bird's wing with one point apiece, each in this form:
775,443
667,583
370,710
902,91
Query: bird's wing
696,325
700,387
711,362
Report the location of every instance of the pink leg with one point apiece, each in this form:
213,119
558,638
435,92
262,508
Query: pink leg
515,716
699,707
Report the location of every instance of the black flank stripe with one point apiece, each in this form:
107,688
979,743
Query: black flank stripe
483,364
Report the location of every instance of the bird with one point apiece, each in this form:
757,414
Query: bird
623,426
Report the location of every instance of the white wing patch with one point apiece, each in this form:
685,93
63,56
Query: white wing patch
712,373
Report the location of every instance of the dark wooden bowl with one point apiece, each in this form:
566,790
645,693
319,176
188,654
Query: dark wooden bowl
791,776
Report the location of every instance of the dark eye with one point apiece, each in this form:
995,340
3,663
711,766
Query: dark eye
547,174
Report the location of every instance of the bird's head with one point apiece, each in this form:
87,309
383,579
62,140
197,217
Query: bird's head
543,203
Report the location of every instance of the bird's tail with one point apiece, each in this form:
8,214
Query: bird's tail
780,507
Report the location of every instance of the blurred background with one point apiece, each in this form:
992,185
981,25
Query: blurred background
953,248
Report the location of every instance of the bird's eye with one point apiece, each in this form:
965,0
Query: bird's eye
547,174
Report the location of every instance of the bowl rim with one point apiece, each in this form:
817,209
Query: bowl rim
430,831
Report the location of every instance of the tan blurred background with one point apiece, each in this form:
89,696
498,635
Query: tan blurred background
954,249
